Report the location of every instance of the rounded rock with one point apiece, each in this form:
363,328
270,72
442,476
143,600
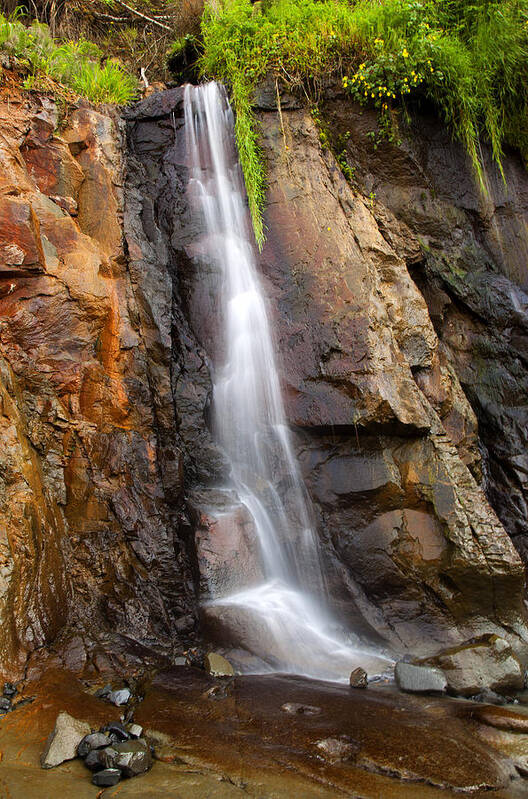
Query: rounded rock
106,778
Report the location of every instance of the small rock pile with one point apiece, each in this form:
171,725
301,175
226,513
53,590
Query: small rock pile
7,698
117,750
11,699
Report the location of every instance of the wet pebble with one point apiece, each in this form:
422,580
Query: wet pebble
218,666
106,778
338,750
96,740
5,704
133,757
295,708
121,697
359,678
116,731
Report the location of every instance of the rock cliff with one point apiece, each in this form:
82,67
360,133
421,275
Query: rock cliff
399,324
88,539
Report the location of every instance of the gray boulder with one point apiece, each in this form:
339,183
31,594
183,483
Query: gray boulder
484,664
63,742
419,679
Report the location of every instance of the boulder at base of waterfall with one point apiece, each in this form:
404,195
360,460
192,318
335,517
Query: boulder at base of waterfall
63,742
218,666
359,678
419,679
482,664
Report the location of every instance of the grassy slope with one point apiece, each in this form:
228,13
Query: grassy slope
470,59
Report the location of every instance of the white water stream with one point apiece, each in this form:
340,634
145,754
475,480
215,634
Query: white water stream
286,613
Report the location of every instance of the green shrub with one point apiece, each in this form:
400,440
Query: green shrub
469,59
75,65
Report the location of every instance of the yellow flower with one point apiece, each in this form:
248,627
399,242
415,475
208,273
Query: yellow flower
405,54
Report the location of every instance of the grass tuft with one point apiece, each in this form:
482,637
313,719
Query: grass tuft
76,65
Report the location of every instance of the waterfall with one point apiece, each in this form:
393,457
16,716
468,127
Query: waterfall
286,613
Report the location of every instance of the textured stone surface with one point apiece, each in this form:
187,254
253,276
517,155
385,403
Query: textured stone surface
107,461
89,515
216,750
63,741
386,434
217,665
419,679
468,253
485,664
415,556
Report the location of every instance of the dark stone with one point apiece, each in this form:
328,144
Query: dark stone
473,274
359,678
96,740
102,693
195,657
220,691
133,757
10,690
94,760
5,704
116,731
106,778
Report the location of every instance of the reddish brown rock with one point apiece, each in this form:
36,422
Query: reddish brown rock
89,532
467,251
414,554
20,243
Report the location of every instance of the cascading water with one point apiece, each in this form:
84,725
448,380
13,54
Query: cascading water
287,608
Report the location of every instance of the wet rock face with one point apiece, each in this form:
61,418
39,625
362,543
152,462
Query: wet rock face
473,274
89,497
385,432
485,664
106,454
385,435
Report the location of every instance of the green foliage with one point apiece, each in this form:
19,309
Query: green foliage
469,59
75,65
